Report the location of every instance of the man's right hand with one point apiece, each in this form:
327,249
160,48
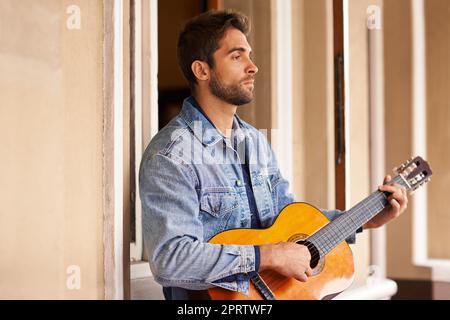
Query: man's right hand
287,258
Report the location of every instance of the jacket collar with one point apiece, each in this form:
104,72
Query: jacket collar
203,129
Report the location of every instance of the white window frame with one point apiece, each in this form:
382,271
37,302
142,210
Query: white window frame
136,246
146,111
113,145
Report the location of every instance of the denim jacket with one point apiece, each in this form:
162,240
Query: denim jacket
191,188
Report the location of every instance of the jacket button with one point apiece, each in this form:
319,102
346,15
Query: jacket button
239,183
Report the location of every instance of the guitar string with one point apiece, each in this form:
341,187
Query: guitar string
353,219
331,240
373,198
325,235
311,246
343,222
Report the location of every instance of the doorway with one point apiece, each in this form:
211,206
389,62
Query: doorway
162,97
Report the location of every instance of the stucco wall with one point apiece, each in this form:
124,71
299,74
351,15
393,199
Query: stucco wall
51,122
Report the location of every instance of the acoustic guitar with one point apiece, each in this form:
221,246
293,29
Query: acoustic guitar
331,257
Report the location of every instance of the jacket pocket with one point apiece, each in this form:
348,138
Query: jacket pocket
218,209
218,203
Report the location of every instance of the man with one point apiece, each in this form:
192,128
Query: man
208,171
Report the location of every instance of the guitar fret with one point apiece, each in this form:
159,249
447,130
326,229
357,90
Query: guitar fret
345,225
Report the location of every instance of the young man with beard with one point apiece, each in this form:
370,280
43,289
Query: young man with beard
209,171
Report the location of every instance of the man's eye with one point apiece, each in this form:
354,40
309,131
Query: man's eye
236,57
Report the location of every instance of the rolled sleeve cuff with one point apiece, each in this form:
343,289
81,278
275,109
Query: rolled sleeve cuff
247,261
257,258
239,277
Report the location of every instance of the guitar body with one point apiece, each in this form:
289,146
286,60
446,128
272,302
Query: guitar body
333,274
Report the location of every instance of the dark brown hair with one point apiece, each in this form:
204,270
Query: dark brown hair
200,37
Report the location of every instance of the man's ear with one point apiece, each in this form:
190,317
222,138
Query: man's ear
201,70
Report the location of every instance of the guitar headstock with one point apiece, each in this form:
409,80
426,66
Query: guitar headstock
415,171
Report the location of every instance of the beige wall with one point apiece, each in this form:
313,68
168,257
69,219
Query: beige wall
438,119
313,96
398,89
398,46
51,121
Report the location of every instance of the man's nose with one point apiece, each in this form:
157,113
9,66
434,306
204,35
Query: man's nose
253,69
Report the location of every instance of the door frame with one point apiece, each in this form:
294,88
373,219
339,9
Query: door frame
113,150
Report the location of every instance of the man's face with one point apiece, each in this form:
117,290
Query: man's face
232,78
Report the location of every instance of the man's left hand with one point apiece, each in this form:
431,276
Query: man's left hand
398,202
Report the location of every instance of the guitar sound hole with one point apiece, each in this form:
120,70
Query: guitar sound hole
315,256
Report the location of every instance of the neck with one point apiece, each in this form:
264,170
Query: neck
218,111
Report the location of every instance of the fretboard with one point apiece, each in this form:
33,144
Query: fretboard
327,238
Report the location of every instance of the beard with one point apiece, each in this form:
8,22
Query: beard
234,94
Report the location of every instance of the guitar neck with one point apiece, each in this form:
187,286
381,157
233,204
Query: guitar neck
330,236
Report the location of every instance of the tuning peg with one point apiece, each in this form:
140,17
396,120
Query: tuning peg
399,169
